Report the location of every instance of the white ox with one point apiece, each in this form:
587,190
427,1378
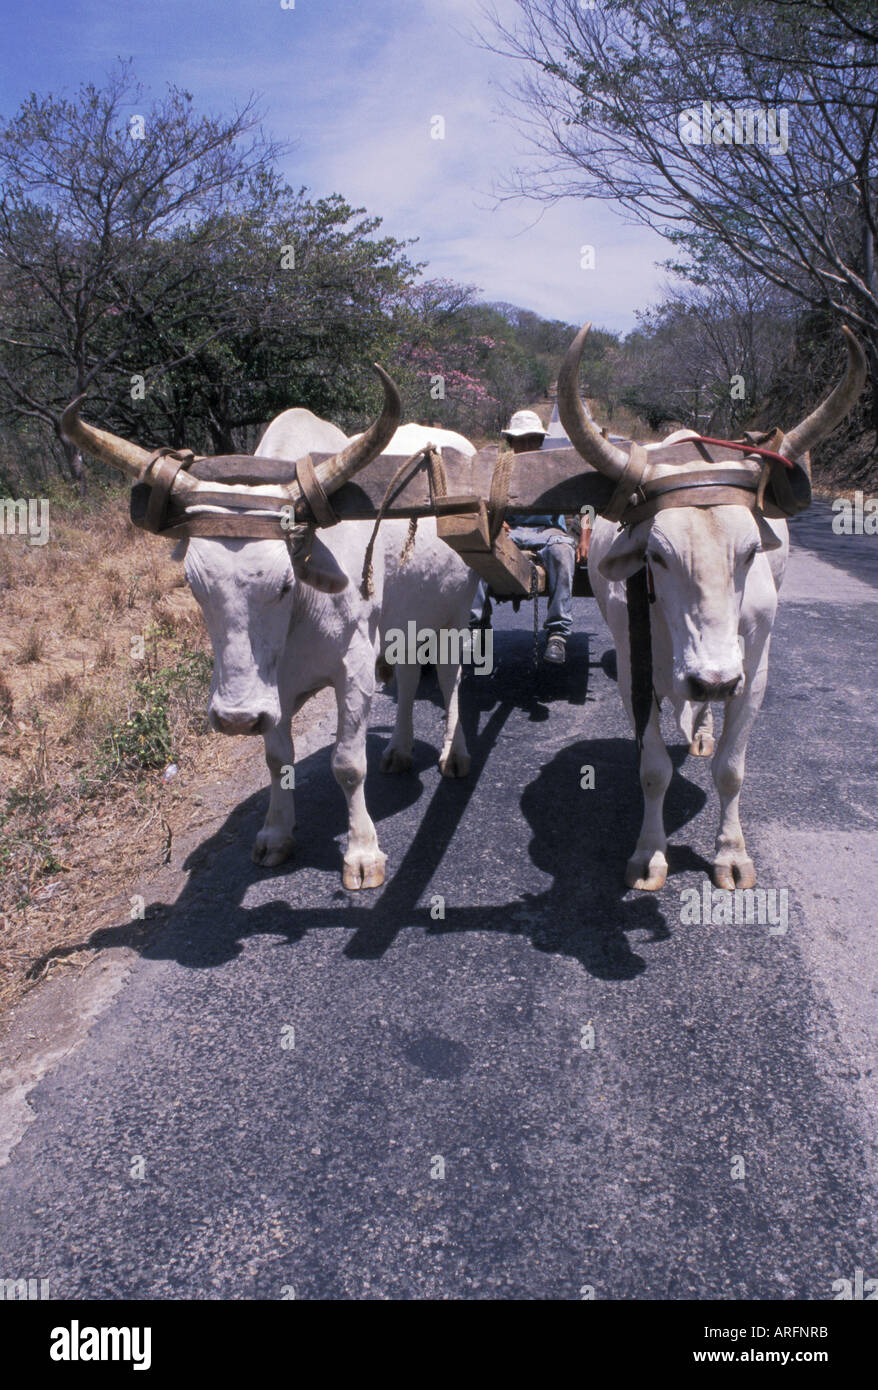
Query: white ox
276,641
715,572
285,622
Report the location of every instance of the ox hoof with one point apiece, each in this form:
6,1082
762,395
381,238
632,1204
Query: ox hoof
455,765
394,761
734,872
702,746
364,870
647,874
271,848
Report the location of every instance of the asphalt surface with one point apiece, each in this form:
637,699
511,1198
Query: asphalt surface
427,1045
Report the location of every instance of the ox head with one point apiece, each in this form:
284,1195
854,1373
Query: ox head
246,588
702,561
247,591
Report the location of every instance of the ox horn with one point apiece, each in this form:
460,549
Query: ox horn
334,472
109,448
586,439
832,411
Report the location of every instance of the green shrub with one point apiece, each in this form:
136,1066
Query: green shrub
164,703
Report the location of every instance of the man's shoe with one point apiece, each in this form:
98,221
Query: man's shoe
556,650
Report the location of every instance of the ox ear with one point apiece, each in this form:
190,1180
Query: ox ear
179,551
624,557
321,570
768,537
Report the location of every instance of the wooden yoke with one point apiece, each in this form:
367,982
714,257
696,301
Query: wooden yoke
478,536
468,512
507,569
547,480
552,480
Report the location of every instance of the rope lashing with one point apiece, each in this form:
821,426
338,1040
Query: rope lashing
409,546
745,447
403,475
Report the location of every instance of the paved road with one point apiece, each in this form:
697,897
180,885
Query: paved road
423,1044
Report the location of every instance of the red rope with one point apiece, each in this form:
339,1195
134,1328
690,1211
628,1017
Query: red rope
745,448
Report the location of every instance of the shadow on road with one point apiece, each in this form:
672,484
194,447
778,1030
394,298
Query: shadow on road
578,839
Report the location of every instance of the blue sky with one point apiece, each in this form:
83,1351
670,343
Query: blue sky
354,85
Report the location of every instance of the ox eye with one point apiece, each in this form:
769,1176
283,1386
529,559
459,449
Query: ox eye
655,559
285,587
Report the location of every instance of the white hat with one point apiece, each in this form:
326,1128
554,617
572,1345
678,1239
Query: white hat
524,422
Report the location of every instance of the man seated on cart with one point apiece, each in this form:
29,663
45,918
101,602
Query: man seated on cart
549,539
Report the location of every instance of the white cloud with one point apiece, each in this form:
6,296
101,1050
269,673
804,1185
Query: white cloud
353,87
374,146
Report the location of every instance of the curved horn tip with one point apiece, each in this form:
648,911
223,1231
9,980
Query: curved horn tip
580,338
855,348
582,432
817,426
583,333
573,355
70,416
342,466
390,386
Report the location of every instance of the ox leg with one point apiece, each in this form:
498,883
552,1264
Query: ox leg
703,742
274,843
454,759
732,866
363,865
398,753
648,866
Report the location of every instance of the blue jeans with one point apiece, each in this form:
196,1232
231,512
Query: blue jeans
482,606
556,552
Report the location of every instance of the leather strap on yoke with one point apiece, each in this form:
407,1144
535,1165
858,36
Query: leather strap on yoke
627,484
152,504
232,526
718,487
782,488
315,496
163,467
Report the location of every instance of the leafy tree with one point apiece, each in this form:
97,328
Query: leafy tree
97,194
295,300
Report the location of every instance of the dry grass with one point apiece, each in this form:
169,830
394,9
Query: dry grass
7,704
86,732
629,425
31,648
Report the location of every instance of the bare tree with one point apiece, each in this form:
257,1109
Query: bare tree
708,355
752,127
